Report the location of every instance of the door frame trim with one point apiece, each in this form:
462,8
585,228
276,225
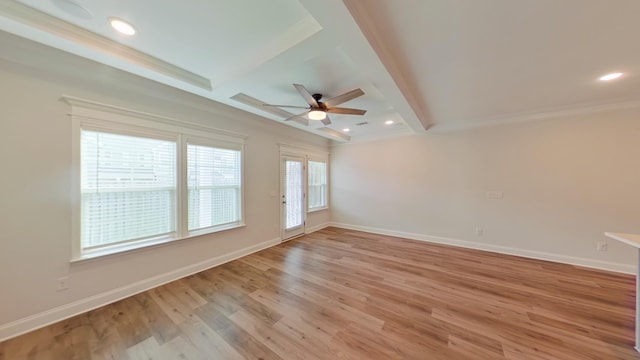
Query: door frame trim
304,151
302,157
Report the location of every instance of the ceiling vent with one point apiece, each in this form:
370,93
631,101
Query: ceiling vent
362,123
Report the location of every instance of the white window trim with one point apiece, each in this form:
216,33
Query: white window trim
86,114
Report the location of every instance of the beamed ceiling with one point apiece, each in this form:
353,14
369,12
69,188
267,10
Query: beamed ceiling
426,65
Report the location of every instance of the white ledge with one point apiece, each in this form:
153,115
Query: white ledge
629,239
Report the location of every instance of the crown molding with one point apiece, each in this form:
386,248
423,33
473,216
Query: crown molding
302,149
93,105
552,113
97,43
403,132
335,135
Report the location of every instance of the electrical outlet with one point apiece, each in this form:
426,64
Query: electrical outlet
602,246
479,231
63,283
495,194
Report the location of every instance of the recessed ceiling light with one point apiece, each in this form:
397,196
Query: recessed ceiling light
388,122
122,26
346,129
611,76
73,8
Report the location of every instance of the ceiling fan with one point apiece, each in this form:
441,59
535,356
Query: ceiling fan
317,110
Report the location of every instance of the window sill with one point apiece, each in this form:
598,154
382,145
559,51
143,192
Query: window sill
151,243
317,209
215,229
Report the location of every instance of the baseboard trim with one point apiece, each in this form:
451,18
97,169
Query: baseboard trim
590,263
311,229
33,322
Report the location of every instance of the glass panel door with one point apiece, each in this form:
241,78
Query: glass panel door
293,197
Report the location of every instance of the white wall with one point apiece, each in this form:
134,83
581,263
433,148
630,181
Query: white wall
35,158
565,182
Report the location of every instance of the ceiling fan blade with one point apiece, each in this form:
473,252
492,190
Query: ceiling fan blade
296,116
326,121
287,106
301,120
339,110
349,95
306,95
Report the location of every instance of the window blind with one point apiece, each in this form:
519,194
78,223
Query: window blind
214,186
128,189
317,185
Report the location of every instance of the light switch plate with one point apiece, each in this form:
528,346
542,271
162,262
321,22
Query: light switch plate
495,194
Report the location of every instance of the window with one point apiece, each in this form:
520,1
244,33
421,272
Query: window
142,180
317,185
214,186
128,189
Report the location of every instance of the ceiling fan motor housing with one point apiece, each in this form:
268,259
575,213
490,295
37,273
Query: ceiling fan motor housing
317,98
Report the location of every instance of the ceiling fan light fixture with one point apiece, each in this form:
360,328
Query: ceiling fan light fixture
317,115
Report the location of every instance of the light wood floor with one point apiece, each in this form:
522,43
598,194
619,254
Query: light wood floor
339,294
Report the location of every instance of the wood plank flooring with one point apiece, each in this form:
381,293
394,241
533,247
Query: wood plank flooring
341,294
